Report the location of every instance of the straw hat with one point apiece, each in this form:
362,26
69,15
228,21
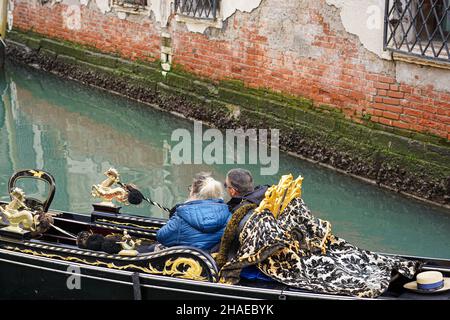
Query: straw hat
429,282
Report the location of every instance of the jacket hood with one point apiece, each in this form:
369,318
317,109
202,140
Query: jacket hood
207,216
256,196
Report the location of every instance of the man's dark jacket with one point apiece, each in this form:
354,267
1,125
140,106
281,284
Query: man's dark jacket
254,197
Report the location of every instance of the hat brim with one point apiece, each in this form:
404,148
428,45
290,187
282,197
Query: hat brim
413,287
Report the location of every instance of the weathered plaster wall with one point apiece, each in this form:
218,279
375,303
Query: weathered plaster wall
364,19
325,50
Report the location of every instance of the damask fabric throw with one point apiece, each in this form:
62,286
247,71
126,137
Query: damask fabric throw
300,251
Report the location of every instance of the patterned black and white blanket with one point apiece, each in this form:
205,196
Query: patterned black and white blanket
300,250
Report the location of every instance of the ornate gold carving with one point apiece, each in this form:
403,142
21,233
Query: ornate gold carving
171,268
279,196
193,269
16,215
107,193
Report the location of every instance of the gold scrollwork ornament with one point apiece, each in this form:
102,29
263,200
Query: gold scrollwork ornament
174,268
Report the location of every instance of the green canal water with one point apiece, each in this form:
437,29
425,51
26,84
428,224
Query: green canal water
76,133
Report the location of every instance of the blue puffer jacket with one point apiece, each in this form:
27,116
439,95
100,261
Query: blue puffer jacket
198,223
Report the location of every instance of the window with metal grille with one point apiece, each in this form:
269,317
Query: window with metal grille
135,5
201,9
418,27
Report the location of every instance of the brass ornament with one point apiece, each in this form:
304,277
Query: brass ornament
107,192
128,243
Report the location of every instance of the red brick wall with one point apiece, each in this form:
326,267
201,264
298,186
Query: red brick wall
108,33
354,90
345,83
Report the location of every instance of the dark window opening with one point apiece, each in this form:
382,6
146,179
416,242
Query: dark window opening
418,27
201,9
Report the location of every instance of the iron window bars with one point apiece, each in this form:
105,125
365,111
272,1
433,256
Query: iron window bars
418,27
201,9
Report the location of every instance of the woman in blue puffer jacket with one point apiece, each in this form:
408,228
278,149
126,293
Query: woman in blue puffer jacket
201,220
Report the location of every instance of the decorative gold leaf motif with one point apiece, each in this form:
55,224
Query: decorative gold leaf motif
172,268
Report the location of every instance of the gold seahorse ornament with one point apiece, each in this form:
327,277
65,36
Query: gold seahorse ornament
18,215
107,192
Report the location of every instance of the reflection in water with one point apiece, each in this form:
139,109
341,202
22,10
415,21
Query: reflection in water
77,133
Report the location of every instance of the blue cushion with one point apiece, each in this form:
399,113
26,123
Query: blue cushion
253,273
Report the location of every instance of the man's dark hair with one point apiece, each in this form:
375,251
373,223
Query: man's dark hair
241,180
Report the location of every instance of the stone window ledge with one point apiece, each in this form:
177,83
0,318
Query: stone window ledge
199,25
420,60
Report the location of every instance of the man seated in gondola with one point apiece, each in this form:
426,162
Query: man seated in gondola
200,220
240,187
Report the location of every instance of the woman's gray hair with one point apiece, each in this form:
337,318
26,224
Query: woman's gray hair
205,187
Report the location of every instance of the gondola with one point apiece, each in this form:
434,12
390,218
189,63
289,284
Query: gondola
50,264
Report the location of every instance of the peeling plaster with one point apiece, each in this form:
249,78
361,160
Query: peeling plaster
229,7
103,5
161,10
364,19
71,14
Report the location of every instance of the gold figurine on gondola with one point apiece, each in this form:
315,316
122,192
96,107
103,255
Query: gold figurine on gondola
107,192
17,213
23,219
